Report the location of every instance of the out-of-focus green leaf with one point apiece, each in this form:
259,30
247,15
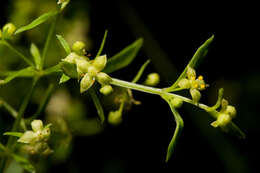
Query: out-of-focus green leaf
36,55
140,72
102,44
43,18
64,78
179,126
25,163
198,56
29,71
97,104
16,134
124,57
64,44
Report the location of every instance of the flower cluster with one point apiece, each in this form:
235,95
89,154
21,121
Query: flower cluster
35,140
195,85
225,115
89,70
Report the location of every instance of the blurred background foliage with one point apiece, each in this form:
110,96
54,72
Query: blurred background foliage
172,32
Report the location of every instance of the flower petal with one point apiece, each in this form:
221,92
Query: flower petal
86,82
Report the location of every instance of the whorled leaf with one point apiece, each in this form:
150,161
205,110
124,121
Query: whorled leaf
41,19
64,78
36,55
177,132
198,56
29,71
97,104
16,134
124,57
140,72
64,44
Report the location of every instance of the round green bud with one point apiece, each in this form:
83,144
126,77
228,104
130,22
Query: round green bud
103,78
28,137
9,29
79,47
92,71
82,64
86,82
223,120
71,58
100,62
184,83
152,79
195,94
37,125
107,89
231,110
115,117
177,102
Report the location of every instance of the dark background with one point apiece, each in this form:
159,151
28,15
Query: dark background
172,32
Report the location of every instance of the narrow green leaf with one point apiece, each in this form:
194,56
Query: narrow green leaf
102,44
21,73
43,18
140,72
36,55
97,104
25,163
179,127
64,44
64,78
124,57
16,134
198,56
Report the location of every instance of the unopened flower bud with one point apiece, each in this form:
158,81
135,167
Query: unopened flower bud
115,117
191,74
92,71
222,120
107,89
71,58
79,47
152,79
195,94
37,125
103,78
82,64
86,82
28,137
9,29
184,83
100,62
231,110
177,102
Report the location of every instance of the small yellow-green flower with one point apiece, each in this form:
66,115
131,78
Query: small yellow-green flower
35,140
225,115
194,84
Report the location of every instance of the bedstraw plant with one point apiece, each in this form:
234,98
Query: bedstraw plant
31,135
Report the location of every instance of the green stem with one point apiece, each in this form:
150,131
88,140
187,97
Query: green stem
48,41
153,90
20,55
12,112
21,112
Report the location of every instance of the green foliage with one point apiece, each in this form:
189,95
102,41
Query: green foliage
43,18
36,55
64,44
124,57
